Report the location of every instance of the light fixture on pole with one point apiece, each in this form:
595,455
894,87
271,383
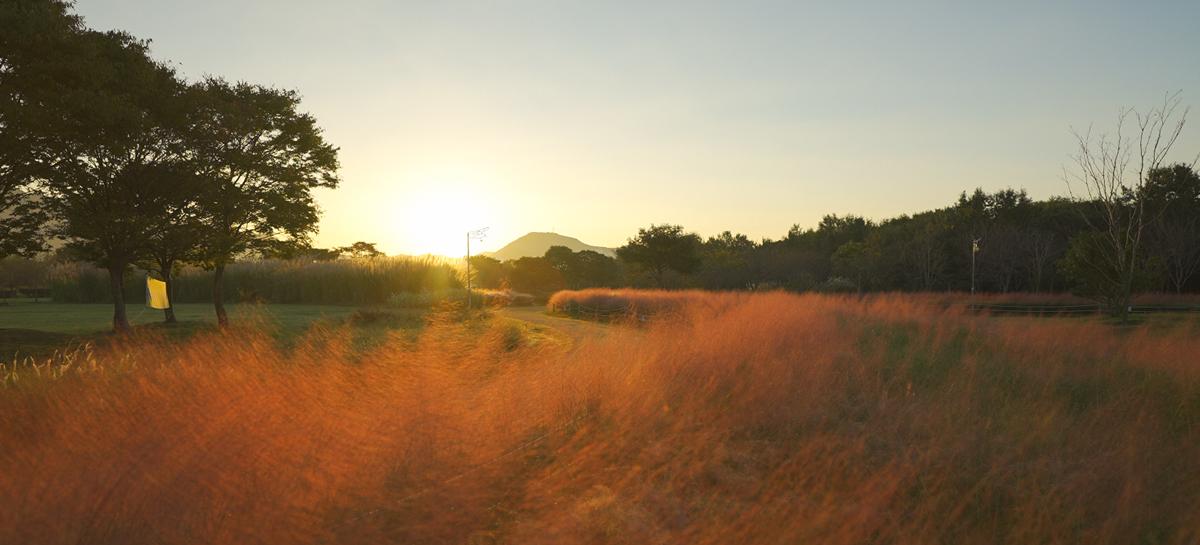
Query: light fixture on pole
974,250
477,234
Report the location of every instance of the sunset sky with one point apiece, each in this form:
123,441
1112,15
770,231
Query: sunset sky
594,119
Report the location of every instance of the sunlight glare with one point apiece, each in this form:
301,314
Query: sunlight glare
440,209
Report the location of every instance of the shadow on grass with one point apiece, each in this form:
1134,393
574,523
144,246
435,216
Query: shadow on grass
369,328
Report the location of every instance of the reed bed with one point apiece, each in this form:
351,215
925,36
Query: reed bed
619,304
604,304
751,418
340,282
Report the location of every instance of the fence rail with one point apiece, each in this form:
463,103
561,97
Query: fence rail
606,314
611,313
1074,309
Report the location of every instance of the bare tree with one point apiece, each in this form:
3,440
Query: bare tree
1042,248
1110,172
1000,256
1173,192
1179,246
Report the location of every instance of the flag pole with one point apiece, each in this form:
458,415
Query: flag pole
477,234
468,270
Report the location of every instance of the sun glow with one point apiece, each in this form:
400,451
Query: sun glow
440,209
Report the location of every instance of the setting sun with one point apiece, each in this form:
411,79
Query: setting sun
440,209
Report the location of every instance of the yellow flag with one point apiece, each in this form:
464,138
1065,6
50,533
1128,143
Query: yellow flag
156,293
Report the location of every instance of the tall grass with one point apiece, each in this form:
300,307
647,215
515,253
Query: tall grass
747,418
341,282
619,304
610,304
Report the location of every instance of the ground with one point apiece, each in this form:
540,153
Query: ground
745,418
29,328
87,319
537,317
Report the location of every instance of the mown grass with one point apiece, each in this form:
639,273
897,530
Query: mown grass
745,418
39,329
93,318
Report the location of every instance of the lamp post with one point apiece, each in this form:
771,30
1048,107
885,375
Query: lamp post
477,234
974,250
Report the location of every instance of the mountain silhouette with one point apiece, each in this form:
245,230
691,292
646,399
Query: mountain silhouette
536,244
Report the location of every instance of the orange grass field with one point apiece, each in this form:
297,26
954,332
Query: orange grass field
743,418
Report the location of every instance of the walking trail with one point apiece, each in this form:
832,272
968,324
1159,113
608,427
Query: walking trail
577,330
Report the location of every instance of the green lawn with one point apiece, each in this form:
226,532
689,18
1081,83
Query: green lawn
29,328
88,319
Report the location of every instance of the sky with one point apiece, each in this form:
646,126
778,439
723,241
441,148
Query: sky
593,119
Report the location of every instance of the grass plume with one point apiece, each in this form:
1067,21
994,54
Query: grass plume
747,418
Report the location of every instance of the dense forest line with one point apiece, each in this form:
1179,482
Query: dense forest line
1012,243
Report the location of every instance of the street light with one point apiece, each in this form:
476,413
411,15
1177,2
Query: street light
477,234
974,250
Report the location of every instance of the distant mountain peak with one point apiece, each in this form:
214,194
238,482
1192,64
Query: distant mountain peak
535,245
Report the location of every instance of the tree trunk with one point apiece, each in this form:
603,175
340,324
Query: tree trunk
218,296
116,282
169,312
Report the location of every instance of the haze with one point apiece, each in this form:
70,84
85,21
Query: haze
596,119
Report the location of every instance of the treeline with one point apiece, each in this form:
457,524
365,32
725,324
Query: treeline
109,151
999,242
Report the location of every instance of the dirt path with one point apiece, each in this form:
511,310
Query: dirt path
575,329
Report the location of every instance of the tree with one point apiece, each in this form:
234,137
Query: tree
21,220
262,159
594,269
34,30
1094,275
173,204
1173,195
725,261
1111,174
488,272
360,250
1043,248
662,248
1001,255
584,269
563,260
923,250
297,250
535,275
855,260
93,115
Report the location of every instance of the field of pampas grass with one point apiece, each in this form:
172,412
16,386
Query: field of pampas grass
743,418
